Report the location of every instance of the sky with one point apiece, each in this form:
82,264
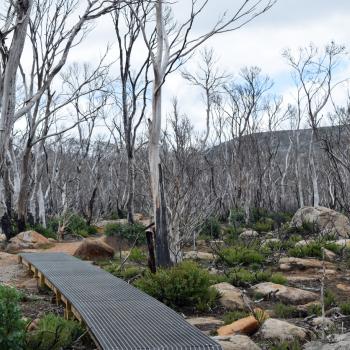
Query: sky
289,24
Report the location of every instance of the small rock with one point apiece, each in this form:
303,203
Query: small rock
237,342
273,329
304,242
270,241
231,297
329,255
195,255
320,321
339,342
343,242
33,326
249,234
2,237
247,325
285,294
343,287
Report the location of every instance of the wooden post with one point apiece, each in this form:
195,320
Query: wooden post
58,296
68,311
20,259
41,280
36,272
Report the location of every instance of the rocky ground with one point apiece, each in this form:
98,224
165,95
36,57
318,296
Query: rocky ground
269,315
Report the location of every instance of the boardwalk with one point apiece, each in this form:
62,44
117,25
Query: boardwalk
117,315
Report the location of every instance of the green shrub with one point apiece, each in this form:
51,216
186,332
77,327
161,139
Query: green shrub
313,249
12,327
211,228
329,299
129,232
184,285
46,232
243,277
237,217
285,311
138,256
127,273
345,308
287,345
278,278
240,255
53,333
265,225
233,316
314,309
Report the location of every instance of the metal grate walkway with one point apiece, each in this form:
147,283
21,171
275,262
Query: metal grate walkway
117,315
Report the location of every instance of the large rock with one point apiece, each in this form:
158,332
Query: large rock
327,220
231,297
273,329
288,295
236,342
247,325
196,255
27,240
290,263
94,250
248,235
339,342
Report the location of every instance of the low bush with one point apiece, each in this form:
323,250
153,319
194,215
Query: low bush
184,285
211,228
345,308
233,316
263,225
129,232
313,249
240,255
285,311
138,256
127,273
12,327
243,277
53,333
237,217
314,309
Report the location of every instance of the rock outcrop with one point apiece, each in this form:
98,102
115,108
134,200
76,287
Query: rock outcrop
236,342
288,295
328,221
273,329
94,250
231,297
27,240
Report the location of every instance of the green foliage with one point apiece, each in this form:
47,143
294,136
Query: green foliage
184,285
12,327
329,299
127,273
53,333
314,309
285,311
240,255
278,278
313,249
215,278
345,308
287,345
237,217
243,277
232,316
129,232
263,225
138,256
211,228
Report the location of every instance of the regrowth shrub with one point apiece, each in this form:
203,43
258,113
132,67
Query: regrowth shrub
12,327
129,232
53,333
211,228
181,286
240,255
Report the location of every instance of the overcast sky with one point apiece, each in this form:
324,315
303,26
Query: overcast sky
289,24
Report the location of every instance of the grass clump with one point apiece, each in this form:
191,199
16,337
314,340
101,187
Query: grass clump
240,255
313,249
345,308
129,232
244,277
12,327
278,278
126,273
285,311
232,316
184,285
53,333
211,228
138,256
